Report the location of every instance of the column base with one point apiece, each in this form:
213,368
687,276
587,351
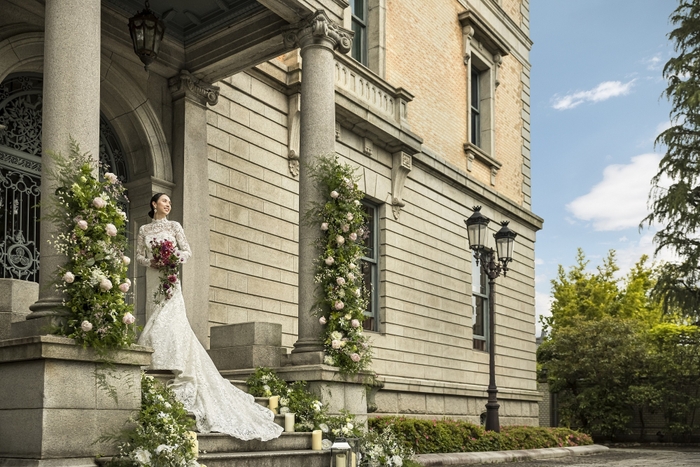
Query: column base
73,462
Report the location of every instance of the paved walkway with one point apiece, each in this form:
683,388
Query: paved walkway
583,456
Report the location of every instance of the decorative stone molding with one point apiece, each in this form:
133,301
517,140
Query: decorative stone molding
184,82
474,152
293,126
368,147
498,61
468,35
402,165
316,28
338,132
475,27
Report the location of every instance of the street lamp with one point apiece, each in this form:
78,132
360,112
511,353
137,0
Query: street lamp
493,266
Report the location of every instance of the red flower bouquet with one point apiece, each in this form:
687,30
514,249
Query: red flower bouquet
166,258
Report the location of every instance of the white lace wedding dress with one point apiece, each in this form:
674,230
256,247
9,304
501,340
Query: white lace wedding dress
216,403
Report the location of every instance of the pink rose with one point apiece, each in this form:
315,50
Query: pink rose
329,261
111,178
128,318
83,225
355,323
336,344
340,240
124,287
355,357
86,326
172,278
126,260
69,277
353,236
324,226
339,305
99,203
111,230
350,216
334,194
322,320
340,281
105,284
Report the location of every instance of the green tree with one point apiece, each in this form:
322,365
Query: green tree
675,207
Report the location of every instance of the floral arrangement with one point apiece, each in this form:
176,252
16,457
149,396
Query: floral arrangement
265,383
91,228
166,259
383,448
161,436
339,268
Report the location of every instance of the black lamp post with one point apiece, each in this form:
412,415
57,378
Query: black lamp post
493,264
146,35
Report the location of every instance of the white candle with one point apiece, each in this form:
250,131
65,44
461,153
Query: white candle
195,444
340,460
353,459
316,440
289,422
273,403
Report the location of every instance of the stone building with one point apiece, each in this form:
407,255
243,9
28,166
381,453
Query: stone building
429,99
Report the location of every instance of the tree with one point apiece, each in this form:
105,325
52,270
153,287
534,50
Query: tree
675,207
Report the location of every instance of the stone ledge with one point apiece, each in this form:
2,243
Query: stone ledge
397,384
494,457
63,348
306,373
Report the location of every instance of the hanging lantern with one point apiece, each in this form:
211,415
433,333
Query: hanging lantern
146,35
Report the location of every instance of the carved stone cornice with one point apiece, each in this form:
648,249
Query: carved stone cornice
316,29
185,82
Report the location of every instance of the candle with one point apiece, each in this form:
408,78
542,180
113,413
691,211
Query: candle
340,460
289,422
273,403
316,440
195,444
353,459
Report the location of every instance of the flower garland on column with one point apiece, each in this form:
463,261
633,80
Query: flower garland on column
339,267
91,228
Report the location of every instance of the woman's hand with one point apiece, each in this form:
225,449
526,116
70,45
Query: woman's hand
154,264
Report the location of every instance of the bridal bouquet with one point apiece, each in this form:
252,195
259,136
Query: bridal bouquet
166,258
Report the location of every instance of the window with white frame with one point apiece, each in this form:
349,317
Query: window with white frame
370,267
480,306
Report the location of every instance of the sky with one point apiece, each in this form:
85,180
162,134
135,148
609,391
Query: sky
596,109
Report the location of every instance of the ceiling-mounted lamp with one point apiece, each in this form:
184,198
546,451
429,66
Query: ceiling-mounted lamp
146,35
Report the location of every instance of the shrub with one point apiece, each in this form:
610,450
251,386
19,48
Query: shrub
440,436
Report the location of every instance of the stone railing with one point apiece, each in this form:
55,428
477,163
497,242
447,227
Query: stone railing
372,90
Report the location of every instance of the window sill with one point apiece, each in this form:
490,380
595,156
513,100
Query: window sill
474,152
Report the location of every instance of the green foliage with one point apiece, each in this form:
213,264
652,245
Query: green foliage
675,195
161,434
265,383
383,447
341,309
91,228
442,436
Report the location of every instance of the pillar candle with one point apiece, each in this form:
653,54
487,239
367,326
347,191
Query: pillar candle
273,403
195,444
340,460
289,422
316,440
353,459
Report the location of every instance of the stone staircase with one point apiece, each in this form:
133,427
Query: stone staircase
220,450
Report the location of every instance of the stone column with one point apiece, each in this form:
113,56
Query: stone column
317,37
191,191
71,108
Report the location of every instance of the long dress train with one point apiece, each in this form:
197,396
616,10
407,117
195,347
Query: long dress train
217,404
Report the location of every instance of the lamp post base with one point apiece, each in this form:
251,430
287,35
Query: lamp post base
492,421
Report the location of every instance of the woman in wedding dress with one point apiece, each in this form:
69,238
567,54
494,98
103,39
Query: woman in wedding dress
217,404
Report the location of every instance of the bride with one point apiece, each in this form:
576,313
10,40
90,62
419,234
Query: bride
216,403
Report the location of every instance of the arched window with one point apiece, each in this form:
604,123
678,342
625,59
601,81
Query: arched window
20,172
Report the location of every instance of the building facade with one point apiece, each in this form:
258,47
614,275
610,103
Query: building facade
428,99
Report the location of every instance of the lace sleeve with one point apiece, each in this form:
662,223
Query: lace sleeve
185,251
141,249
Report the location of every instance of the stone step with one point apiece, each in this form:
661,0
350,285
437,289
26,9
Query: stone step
212,443
267,459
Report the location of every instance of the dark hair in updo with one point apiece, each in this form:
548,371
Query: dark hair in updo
154,199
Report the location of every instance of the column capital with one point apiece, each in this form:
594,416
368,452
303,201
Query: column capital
186,84
317,28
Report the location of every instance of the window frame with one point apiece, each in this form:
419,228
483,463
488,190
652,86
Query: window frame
480,342
476,77
372,262
359,25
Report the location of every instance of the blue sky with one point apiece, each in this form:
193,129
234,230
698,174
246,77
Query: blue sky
596,108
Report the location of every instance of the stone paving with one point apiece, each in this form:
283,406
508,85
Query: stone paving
626,457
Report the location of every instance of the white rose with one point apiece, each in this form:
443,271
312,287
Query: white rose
99,203
109,176
126,260
69,277
111,230
86,326
105,284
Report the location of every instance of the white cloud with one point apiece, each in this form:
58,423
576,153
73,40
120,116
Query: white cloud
539,261
543,305
602,92
654,63
619,201
628,256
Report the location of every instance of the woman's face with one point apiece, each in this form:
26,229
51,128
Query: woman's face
161,207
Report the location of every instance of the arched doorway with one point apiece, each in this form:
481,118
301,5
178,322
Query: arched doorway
20,172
